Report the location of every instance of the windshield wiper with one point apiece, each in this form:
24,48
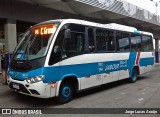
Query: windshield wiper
29,43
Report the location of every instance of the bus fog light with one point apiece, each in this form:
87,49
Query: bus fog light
35,79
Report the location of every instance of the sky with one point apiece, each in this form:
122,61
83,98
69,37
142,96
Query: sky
146,4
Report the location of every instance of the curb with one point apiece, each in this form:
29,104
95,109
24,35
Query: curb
157,64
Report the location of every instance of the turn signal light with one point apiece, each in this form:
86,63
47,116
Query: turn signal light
53,84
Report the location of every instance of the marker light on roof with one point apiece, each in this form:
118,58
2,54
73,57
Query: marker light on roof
137,32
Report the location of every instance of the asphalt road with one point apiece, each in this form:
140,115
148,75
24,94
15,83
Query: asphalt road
145,93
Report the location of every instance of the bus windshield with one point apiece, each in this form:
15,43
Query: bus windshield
34,42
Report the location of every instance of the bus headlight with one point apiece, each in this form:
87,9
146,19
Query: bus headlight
35,79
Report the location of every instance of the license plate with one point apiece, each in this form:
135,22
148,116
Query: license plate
16,86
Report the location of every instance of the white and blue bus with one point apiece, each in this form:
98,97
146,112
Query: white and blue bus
59,58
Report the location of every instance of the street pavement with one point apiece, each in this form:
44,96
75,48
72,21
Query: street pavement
145,93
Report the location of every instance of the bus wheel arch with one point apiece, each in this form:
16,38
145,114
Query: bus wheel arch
138,69
68,87
134,73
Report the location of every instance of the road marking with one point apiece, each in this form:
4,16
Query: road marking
123,93
140,99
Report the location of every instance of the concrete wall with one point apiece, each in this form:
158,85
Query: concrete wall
14,9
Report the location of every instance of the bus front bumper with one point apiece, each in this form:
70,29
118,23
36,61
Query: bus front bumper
39,89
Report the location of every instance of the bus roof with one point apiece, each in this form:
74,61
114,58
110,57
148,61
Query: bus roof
113,26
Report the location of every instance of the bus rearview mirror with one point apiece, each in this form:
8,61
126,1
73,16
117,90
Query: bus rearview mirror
67,34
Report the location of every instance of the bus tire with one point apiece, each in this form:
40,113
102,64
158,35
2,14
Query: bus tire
133,78
65,93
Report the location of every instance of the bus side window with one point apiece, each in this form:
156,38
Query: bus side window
73,46
57,48
110,44
101,40
147,43
105,40
122,39
136,44
91,40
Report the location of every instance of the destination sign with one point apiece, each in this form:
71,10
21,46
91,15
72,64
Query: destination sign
44,29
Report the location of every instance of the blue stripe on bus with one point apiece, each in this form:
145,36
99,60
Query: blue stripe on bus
131,61
146,61
81,70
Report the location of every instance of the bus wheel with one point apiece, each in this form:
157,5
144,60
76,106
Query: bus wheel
65,93
133,78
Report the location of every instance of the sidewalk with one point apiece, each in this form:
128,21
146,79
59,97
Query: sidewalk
157,64
1,81
0,77
3,88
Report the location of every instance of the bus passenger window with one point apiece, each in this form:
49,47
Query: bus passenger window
110,44
122,42
91,40
136,43
105,40
101,40
147,43
73,46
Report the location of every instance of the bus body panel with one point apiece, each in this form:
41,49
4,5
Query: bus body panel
40,89
91,74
